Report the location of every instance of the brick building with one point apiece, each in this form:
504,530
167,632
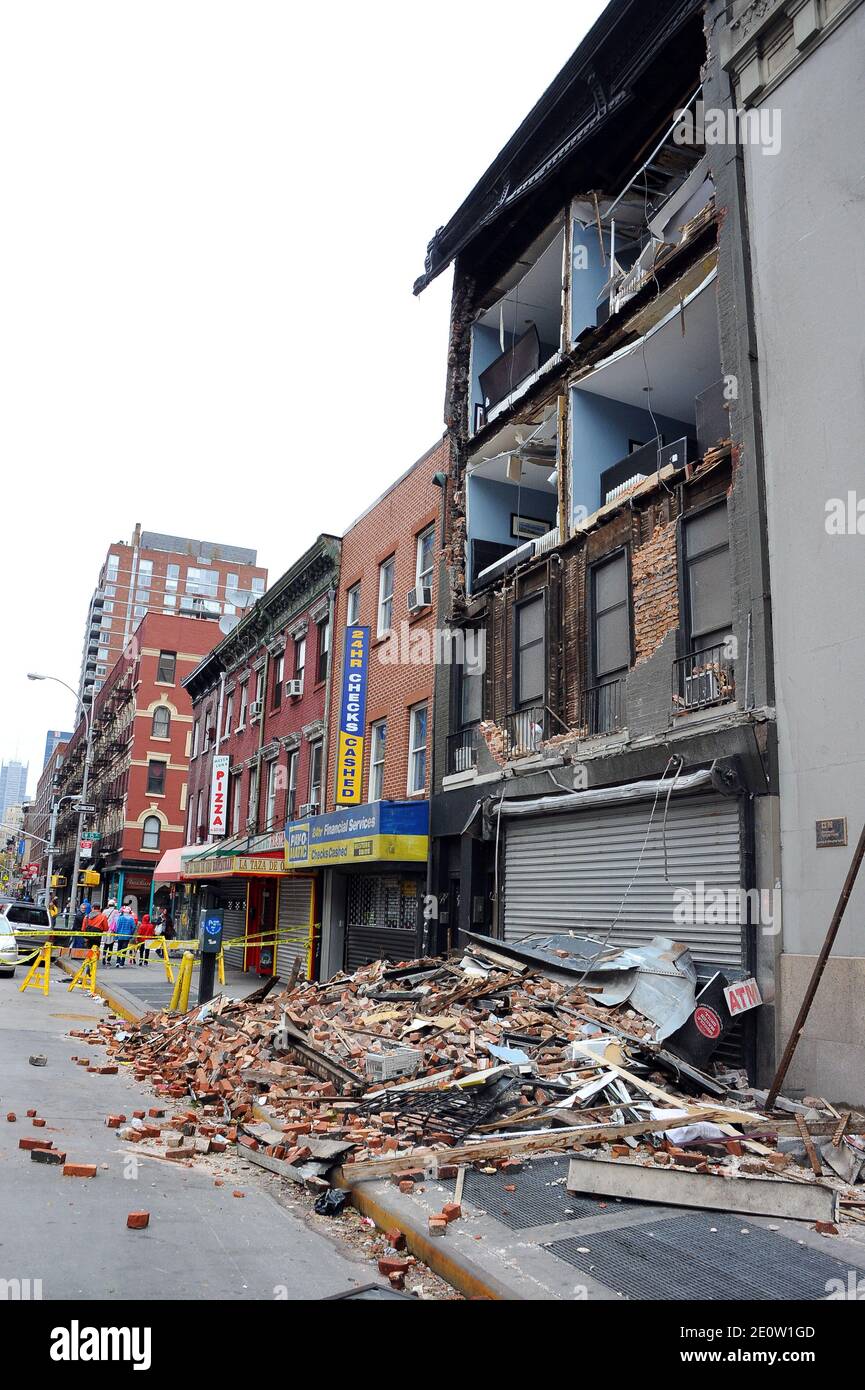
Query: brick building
613,751
259,733
157,573
142,732
371,842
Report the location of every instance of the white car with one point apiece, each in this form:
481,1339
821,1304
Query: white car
14,916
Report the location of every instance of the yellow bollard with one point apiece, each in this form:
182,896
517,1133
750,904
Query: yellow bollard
85,976
42,962
220,966
180,997
163,947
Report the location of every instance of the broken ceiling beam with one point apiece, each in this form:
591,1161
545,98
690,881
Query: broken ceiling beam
601,1177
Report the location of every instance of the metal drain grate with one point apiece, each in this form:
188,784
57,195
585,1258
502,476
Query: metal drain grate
536,1202
685,1259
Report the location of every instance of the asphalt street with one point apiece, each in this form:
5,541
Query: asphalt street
70,1233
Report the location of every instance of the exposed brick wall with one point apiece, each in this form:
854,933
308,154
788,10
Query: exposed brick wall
655,590
391,527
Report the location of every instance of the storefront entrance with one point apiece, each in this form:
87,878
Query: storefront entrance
382,917
261,922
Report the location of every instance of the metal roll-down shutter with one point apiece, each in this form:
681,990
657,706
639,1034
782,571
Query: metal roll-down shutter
293,924
567,871
232,900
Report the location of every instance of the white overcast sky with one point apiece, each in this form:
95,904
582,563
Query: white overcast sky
212,216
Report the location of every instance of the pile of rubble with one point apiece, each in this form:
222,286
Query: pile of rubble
396,1071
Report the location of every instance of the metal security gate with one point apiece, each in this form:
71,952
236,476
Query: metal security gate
232,900
294,925
570,872
381,918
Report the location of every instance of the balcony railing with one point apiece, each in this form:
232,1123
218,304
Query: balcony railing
602,708
463,751
703,678
526,730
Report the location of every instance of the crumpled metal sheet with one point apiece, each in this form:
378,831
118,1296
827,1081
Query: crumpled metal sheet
658,980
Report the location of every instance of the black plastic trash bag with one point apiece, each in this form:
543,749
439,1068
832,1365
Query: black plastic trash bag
331,1203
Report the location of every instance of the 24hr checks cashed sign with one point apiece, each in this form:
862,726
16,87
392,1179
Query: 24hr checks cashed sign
219,795
352,717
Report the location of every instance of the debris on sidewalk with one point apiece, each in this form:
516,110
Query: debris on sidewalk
494,1053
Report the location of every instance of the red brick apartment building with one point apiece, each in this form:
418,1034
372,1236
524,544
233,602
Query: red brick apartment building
142,735
371,855
258,742
157,573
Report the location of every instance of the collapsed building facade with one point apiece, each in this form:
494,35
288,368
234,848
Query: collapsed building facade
606,757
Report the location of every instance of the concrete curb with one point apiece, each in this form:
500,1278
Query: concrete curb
454,1267
118,1000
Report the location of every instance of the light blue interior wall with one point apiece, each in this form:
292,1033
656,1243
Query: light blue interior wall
491,505
600,433
588,275
486,347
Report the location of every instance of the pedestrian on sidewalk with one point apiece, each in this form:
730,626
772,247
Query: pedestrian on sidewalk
95,921
111,912
82,912
124,931
146,932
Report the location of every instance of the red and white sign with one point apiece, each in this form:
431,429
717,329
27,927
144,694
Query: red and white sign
742,996
219,795
706,1021
86,849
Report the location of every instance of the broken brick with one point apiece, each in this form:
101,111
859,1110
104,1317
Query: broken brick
138,1220
79,1170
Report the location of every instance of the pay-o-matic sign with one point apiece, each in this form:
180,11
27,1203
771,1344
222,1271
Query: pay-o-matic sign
352,717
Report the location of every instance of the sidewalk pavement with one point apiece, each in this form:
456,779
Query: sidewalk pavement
523,1236
134,990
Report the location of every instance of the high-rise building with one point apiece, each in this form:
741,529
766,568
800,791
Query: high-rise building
162,574
13,785
52,739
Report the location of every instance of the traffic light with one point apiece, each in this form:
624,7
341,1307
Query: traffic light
89,879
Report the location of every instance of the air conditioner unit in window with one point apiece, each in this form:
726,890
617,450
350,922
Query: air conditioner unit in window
294,688
419,598
255,711
309,808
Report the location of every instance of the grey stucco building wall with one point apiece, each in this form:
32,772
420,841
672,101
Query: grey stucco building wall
801,66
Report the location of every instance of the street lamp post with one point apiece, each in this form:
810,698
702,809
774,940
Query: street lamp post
88,752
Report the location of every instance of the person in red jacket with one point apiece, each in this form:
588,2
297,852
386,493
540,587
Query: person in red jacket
146,932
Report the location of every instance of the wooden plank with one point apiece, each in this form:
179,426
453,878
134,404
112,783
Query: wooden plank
674,1102
370,1169
810,1149
602,1177
308,1169
841,1126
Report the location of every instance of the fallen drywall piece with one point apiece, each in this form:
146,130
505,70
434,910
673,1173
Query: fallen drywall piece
671,1187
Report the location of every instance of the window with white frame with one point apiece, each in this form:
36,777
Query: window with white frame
323,649
299,657
229,711
236,803
291,798
144,577
202,582
200,827
315,773
417,741
278,672
270,807
196,733
377,741
161,726
386,574
150,832
252,799
172,578
425,563
352,606
244,700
